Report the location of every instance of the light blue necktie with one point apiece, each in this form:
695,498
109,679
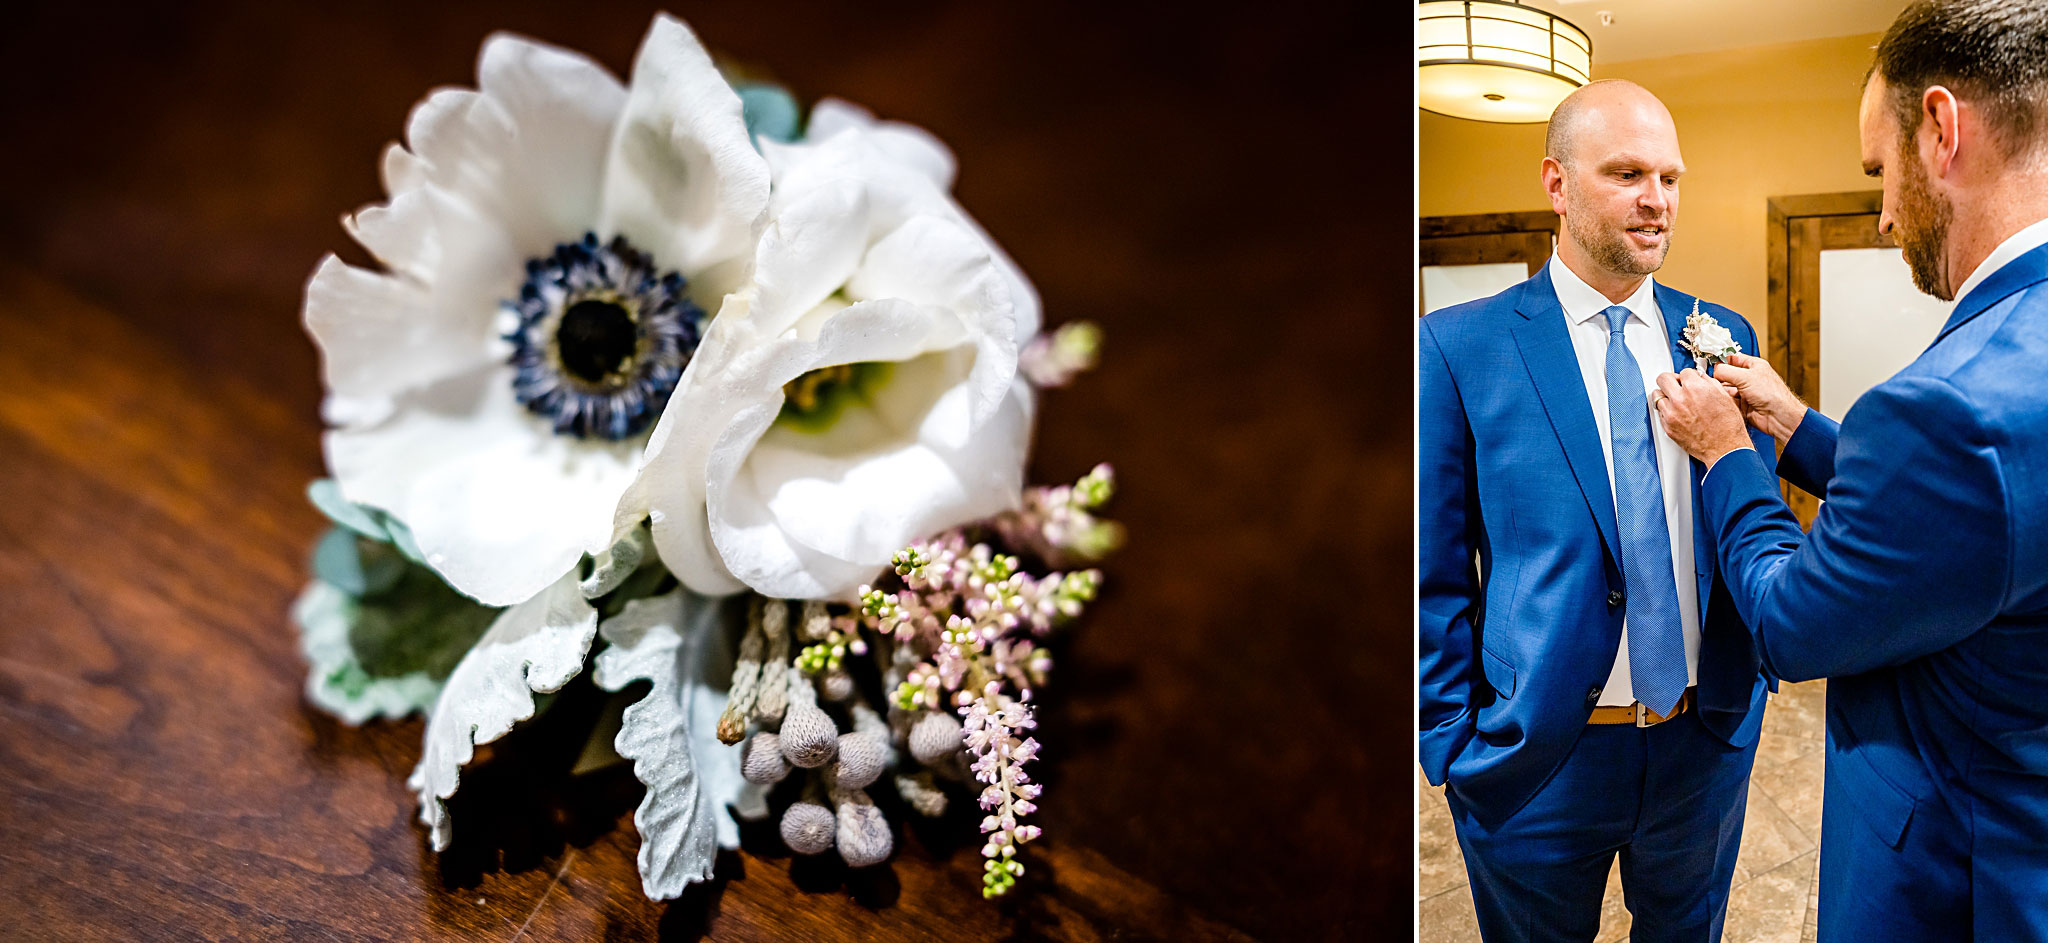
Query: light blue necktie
1656,639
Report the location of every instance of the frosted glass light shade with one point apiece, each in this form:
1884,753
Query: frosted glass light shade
1492,60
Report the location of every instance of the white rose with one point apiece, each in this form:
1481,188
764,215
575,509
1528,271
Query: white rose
1708,338
865,261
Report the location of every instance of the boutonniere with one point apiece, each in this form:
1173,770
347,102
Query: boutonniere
1706,340
540,399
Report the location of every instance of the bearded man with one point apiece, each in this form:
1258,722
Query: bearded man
1585,688
1922,590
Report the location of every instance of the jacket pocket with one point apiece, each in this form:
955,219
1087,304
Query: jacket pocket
1882,806
1499,673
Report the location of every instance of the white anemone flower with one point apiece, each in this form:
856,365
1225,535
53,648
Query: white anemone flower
549,242
859,392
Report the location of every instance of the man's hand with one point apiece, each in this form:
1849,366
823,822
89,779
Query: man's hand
1702,417
1767,402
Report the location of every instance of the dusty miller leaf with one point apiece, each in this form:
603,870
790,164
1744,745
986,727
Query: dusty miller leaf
679,641
367,522
326,495
356,565
533,647
337,683
611,568
381,634
769,112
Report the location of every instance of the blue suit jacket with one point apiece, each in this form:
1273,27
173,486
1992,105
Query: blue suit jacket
1922,591
1510,469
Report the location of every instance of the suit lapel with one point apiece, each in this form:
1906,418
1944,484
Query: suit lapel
1675,306
1547,352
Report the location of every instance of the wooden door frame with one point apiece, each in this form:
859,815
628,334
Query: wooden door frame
1798,358
1483,238
1798,229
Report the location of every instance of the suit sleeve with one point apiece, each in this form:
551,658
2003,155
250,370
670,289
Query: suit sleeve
1809,459
1910,554
1448,589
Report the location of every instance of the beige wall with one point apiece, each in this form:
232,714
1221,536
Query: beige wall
1753,123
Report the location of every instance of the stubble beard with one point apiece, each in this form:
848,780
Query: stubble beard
1921,228
1609,248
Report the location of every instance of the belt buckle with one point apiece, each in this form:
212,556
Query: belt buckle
1642,715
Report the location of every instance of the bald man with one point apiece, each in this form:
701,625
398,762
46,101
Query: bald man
1586,689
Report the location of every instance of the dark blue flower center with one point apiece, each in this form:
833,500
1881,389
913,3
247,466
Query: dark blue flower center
597,340
601,339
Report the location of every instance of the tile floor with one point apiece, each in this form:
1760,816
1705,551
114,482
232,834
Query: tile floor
1774,896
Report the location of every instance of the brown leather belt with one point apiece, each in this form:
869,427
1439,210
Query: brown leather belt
1637,714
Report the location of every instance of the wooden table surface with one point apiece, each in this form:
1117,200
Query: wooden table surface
1228,749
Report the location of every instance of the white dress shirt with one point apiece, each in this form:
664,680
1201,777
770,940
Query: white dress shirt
1650,344
2016,245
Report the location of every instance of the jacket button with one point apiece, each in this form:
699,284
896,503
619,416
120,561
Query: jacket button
1614,597
1593,697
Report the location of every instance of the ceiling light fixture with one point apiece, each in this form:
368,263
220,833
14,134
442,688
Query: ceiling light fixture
1495,60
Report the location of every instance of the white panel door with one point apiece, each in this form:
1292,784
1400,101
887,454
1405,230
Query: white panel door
1873,322
1447,285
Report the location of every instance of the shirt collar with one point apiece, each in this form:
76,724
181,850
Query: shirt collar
1583,302
2014,246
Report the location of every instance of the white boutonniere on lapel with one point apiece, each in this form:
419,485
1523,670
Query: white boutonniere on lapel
1706,340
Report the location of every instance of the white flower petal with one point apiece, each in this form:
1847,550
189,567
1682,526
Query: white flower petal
378,338
678,641
813,515
747,376
562,107
673,503
929,260
402,233
934,261
733,396
1024,305
494,177
499,504
684,181
730,395
907,143
798,515
897,191
526,150
748,542
881,329
535,646
669,491
466,144
862,507
399,170
808,252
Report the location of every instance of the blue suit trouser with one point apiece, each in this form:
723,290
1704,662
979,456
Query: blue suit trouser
1668,799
